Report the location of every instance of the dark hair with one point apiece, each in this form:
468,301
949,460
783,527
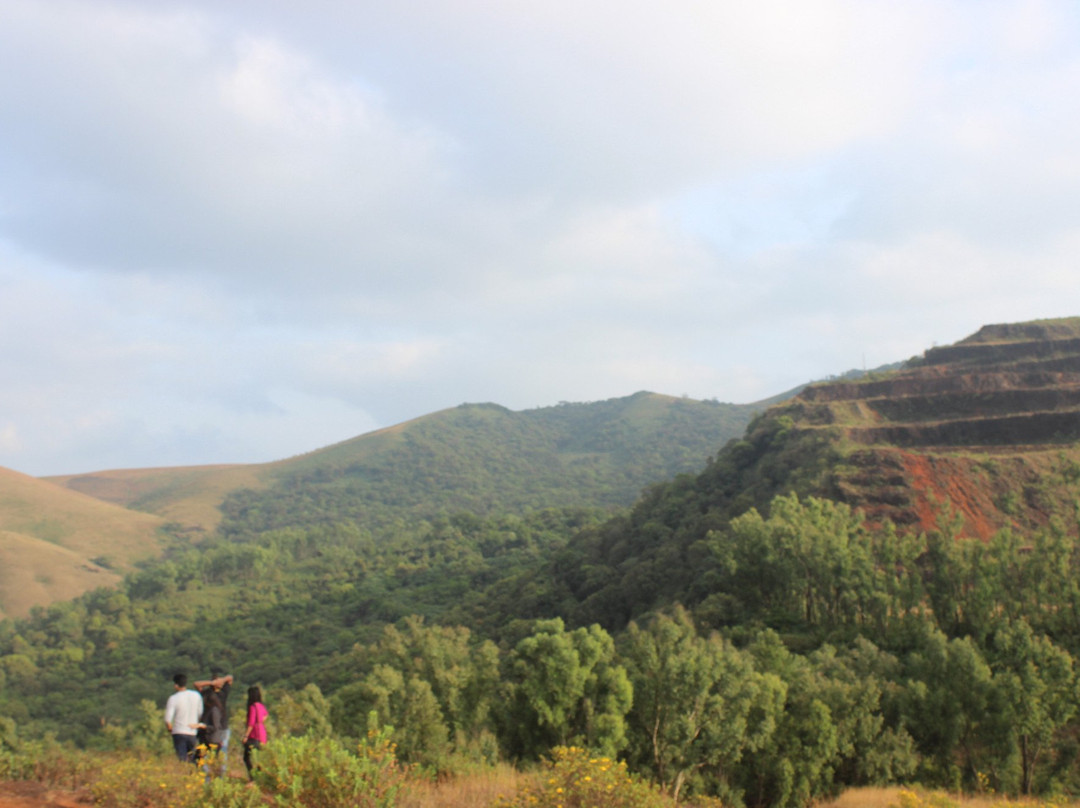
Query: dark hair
180,680
254,695
211,699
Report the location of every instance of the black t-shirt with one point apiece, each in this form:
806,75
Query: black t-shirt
223,694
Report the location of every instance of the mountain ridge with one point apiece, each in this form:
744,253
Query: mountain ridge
483,452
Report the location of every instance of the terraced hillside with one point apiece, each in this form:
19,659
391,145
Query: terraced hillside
991,424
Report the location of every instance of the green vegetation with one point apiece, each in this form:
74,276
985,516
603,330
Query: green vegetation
448,603
824,656
485,459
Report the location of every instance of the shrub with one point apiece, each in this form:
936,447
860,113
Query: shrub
46,762
321,773
140,782
144,782
572,778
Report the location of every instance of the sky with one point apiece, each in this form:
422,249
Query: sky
240,230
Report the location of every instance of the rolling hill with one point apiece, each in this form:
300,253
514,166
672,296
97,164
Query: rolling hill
481,458
56,544
475,457
377,573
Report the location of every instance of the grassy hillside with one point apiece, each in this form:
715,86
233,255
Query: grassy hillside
477,457
480,458
483,458
56,543
189,497
36,573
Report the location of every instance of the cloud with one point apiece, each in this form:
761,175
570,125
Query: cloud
239,230
157,142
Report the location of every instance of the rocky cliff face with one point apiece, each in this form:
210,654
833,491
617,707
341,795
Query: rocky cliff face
990,425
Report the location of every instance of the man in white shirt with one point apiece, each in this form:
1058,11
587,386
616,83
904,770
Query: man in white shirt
182,713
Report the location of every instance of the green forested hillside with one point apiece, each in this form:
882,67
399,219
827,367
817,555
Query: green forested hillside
737,632
483,458
834,656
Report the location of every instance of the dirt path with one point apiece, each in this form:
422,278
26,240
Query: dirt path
35,795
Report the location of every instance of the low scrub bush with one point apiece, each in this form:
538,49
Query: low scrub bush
47,762
572,778
145,782
321,773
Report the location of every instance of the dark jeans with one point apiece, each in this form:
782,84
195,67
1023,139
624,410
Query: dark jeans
249,745
184,746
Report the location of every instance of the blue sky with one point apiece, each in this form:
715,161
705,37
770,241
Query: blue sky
235,231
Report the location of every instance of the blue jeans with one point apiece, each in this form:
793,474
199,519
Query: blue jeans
225,751
184,745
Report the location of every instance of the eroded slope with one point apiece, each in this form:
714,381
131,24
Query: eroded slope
990,425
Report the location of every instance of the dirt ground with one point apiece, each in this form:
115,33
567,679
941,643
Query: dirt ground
35,795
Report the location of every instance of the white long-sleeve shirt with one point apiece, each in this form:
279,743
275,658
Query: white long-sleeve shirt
182,712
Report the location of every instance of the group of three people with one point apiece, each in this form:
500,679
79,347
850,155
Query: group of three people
203,714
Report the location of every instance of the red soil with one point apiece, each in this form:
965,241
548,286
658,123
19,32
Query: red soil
936,480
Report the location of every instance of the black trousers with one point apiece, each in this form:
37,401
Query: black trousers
249,745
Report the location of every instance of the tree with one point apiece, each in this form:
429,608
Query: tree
946,705
854,684
796,766
568,690
693,701
306,712
1035,692
810,561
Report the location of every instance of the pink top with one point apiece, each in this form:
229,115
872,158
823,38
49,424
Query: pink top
256,722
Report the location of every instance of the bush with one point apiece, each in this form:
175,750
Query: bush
145,782
46,762
572,778
321,773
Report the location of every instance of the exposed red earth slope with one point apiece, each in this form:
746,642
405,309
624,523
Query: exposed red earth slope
990,426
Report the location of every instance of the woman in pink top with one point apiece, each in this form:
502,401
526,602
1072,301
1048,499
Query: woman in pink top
255,734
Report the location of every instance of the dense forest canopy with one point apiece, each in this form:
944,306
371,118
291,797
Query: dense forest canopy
826,656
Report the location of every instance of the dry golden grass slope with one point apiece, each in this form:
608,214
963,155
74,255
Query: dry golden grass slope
186,496
36,573
49,534
189,497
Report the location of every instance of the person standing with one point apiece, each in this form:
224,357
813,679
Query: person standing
255,732
221,684
213,724
183,712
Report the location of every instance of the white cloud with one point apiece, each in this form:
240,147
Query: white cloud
237,230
